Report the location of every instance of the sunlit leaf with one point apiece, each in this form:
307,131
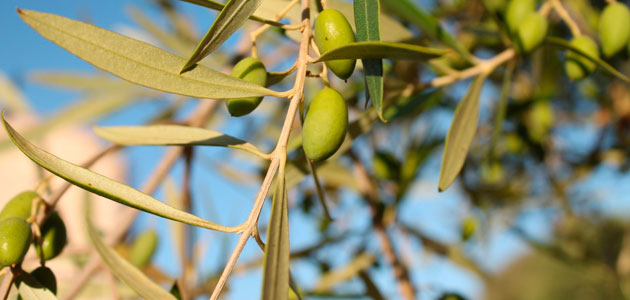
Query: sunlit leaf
173,135
377,50
461,134
104,186
124,270
219,6
137,61
231,18
408,11
277,252
367,20
30,289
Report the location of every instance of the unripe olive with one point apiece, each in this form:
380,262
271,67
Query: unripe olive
19,206
15,237
531,32
517,11
386,166
332,30
251,70
54,237
539,120
143,248
468,228
576,65
614,28
325,125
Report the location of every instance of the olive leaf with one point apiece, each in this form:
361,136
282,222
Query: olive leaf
608,68
408,11
104,186
367,20
377,50
219,6
232,16
277,252
123,269
169,135
137,61
30,289
461,134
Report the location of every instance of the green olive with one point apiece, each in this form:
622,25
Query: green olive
539,120
451,296
15,237
54,237
325,125
386,166
517,11
468,228
531,32
251,70
614,28
332,30
576,65
143,248
491,173
19,206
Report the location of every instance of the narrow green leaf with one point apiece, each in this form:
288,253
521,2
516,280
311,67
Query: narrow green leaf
367,20
277,252
10,95
173,135
604,65
219,6
123,269
30,289
136,61
408,11
376,50
231,18
461,134
104,186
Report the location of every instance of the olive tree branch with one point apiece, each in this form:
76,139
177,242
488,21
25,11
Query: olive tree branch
483,67
279,154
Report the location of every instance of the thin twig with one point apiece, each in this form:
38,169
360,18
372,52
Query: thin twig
278,155
566,17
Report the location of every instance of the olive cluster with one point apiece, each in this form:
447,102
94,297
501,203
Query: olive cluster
16,236
326,120
528,28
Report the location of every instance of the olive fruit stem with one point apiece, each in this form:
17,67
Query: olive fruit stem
279,154
324,74
566,17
